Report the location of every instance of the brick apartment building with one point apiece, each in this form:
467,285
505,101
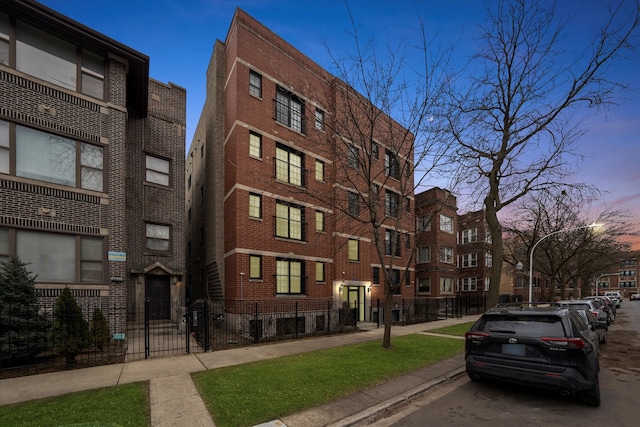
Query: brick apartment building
436,235
91,164
263,177
474,253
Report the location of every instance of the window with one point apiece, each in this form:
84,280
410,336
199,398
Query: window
446,255
255,84
289,279
407,205
289,165
255,145
47,157
255,267
157,170
4,39
627,284
488,259
469,260
446,224
407,241
289,110
487,236
354,203
391,165
4,243
319,171
424,285
157,237
424,254
407,278
375,275
470,235
289,221
319,119
353,157
375,193
395,281
423,223
391,247
91,259
627,273
375,150
319,221
320,272
54,257
354,250
469,284
56,61
391,204
4,147
255,205
446,285
487,282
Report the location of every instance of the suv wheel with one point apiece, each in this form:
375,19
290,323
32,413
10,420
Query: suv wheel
591,397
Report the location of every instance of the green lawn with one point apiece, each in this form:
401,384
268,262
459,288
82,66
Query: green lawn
125,405
457,330
254,393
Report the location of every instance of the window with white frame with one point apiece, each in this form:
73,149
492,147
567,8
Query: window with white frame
627,284
289,276
424,285
391,243
627,273
446,255
255,145
470,235
375,150
424,254
446,285
51,158
487,236
158,237
289,110
353,250
289,165
469,284
354,161
4,38
487,282
469,260
255,84
157,170
488,259
255,205
319,116
289,221
446,224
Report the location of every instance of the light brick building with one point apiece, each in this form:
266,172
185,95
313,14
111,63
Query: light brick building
91,164
262,181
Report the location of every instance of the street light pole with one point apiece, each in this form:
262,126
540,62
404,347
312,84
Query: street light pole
600,277
564,230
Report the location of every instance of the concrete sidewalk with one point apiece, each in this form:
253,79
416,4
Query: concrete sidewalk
175,401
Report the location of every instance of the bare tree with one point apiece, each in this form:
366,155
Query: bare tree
571,258
514,124
385,143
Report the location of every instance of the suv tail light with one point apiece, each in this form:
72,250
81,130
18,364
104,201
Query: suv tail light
476,335
566,342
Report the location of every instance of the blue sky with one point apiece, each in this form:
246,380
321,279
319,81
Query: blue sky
178,36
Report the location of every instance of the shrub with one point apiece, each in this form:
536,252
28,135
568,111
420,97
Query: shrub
99,329
70,330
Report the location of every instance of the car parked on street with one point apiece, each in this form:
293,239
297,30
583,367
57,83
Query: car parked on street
547,346
588,317
616,296
634,297
595,307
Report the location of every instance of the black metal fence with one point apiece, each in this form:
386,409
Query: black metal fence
37,340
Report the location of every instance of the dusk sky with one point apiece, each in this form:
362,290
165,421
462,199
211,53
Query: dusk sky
178,36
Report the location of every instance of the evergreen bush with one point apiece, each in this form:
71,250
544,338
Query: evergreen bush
70,330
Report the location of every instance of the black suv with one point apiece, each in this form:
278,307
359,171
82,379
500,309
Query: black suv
541,346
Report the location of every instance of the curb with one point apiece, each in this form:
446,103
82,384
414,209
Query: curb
400,399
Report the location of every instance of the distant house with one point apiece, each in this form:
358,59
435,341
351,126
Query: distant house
91,165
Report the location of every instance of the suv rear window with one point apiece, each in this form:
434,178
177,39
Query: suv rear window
523,325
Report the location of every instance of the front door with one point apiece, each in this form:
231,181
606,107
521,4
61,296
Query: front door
355,299
159,295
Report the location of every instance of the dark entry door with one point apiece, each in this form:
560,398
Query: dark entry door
355,298
159,295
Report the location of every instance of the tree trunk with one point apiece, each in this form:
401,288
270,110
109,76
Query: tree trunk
388,296
497,252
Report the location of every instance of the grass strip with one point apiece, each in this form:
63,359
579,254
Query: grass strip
250,394
126,406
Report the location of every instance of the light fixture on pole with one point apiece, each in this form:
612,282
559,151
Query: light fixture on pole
600,277
564,230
